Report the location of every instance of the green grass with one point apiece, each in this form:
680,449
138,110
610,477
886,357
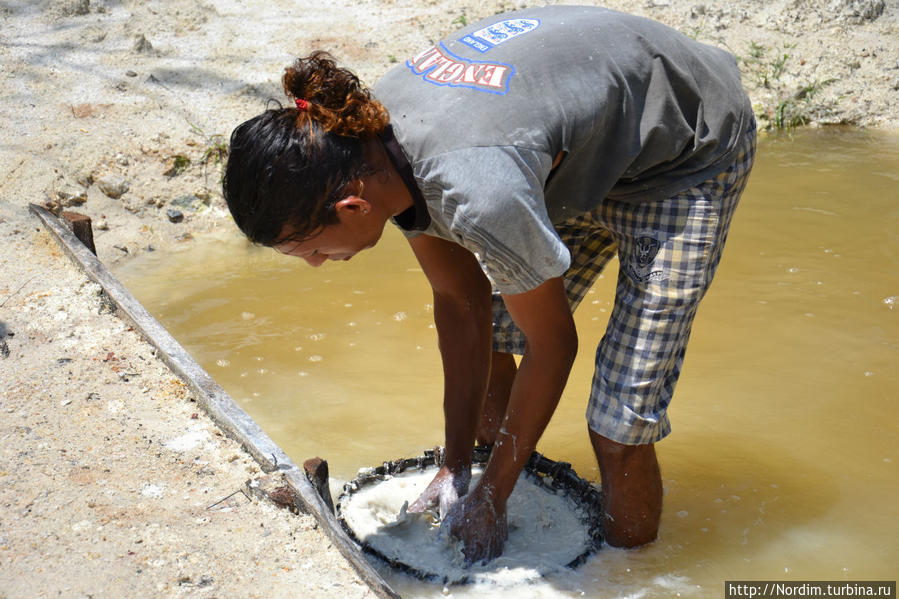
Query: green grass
788,105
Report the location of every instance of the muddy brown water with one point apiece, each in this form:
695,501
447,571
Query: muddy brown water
783,459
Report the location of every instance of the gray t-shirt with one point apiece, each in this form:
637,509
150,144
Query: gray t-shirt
640,111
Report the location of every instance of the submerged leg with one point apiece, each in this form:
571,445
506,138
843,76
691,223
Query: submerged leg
631,490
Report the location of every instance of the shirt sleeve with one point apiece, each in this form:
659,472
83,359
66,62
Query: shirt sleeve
491,202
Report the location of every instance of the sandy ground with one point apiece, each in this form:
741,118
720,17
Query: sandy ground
109,473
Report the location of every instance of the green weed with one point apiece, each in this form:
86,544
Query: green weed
215,149
786,106
765,70
179,164
801,107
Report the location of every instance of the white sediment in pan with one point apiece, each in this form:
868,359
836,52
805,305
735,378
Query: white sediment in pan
546,530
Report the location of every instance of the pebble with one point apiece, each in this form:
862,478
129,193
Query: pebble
78,8
67,198
175,216
152,491
190,203
113,186
142,45
85,179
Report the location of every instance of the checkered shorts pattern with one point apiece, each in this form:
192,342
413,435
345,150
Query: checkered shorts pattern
668,252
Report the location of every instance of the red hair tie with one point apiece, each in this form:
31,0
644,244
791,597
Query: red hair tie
301,104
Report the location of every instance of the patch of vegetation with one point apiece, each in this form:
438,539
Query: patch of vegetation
762,68
799,108
461,20
215,150
178,164
786,104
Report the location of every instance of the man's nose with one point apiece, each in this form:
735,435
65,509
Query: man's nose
316,259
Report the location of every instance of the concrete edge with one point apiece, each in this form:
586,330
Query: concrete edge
223,410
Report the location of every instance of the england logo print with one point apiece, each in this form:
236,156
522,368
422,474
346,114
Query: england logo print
439,66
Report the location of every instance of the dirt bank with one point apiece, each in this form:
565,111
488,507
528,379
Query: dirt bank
120,109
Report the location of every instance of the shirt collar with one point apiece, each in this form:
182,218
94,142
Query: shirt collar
416,217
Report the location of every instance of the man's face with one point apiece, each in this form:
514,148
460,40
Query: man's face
356,230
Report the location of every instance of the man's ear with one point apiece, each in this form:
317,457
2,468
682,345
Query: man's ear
353,204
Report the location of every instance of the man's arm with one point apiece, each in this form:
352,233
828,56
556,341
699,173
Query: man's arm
462,315
544,316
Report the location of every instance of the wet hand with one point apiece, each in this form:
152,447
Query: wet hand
443,491
479,522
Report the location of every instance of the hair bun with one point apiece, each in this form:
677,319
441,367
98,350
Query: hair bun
338,101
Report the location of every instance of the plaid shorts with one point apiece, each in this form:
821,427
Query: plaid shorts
668,252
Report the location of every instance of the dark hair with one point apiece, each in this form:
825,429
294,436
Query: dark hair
290,166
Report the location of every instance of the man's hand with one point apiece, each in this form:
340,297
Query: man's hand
444,491
479,521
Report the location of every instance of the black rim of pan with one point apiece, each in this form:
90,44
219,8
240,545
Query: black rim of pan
557,477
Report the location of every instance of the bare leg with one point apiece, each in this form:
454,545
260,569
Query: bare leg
632,491
502,374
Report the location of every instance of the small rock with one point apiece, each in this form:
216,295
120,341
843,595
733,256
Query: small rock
143,45
130,73
274,488
153,491
175,216
82,111
857,11
4,349
102,225
190,203
86,179
113,185
77,8
68,198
